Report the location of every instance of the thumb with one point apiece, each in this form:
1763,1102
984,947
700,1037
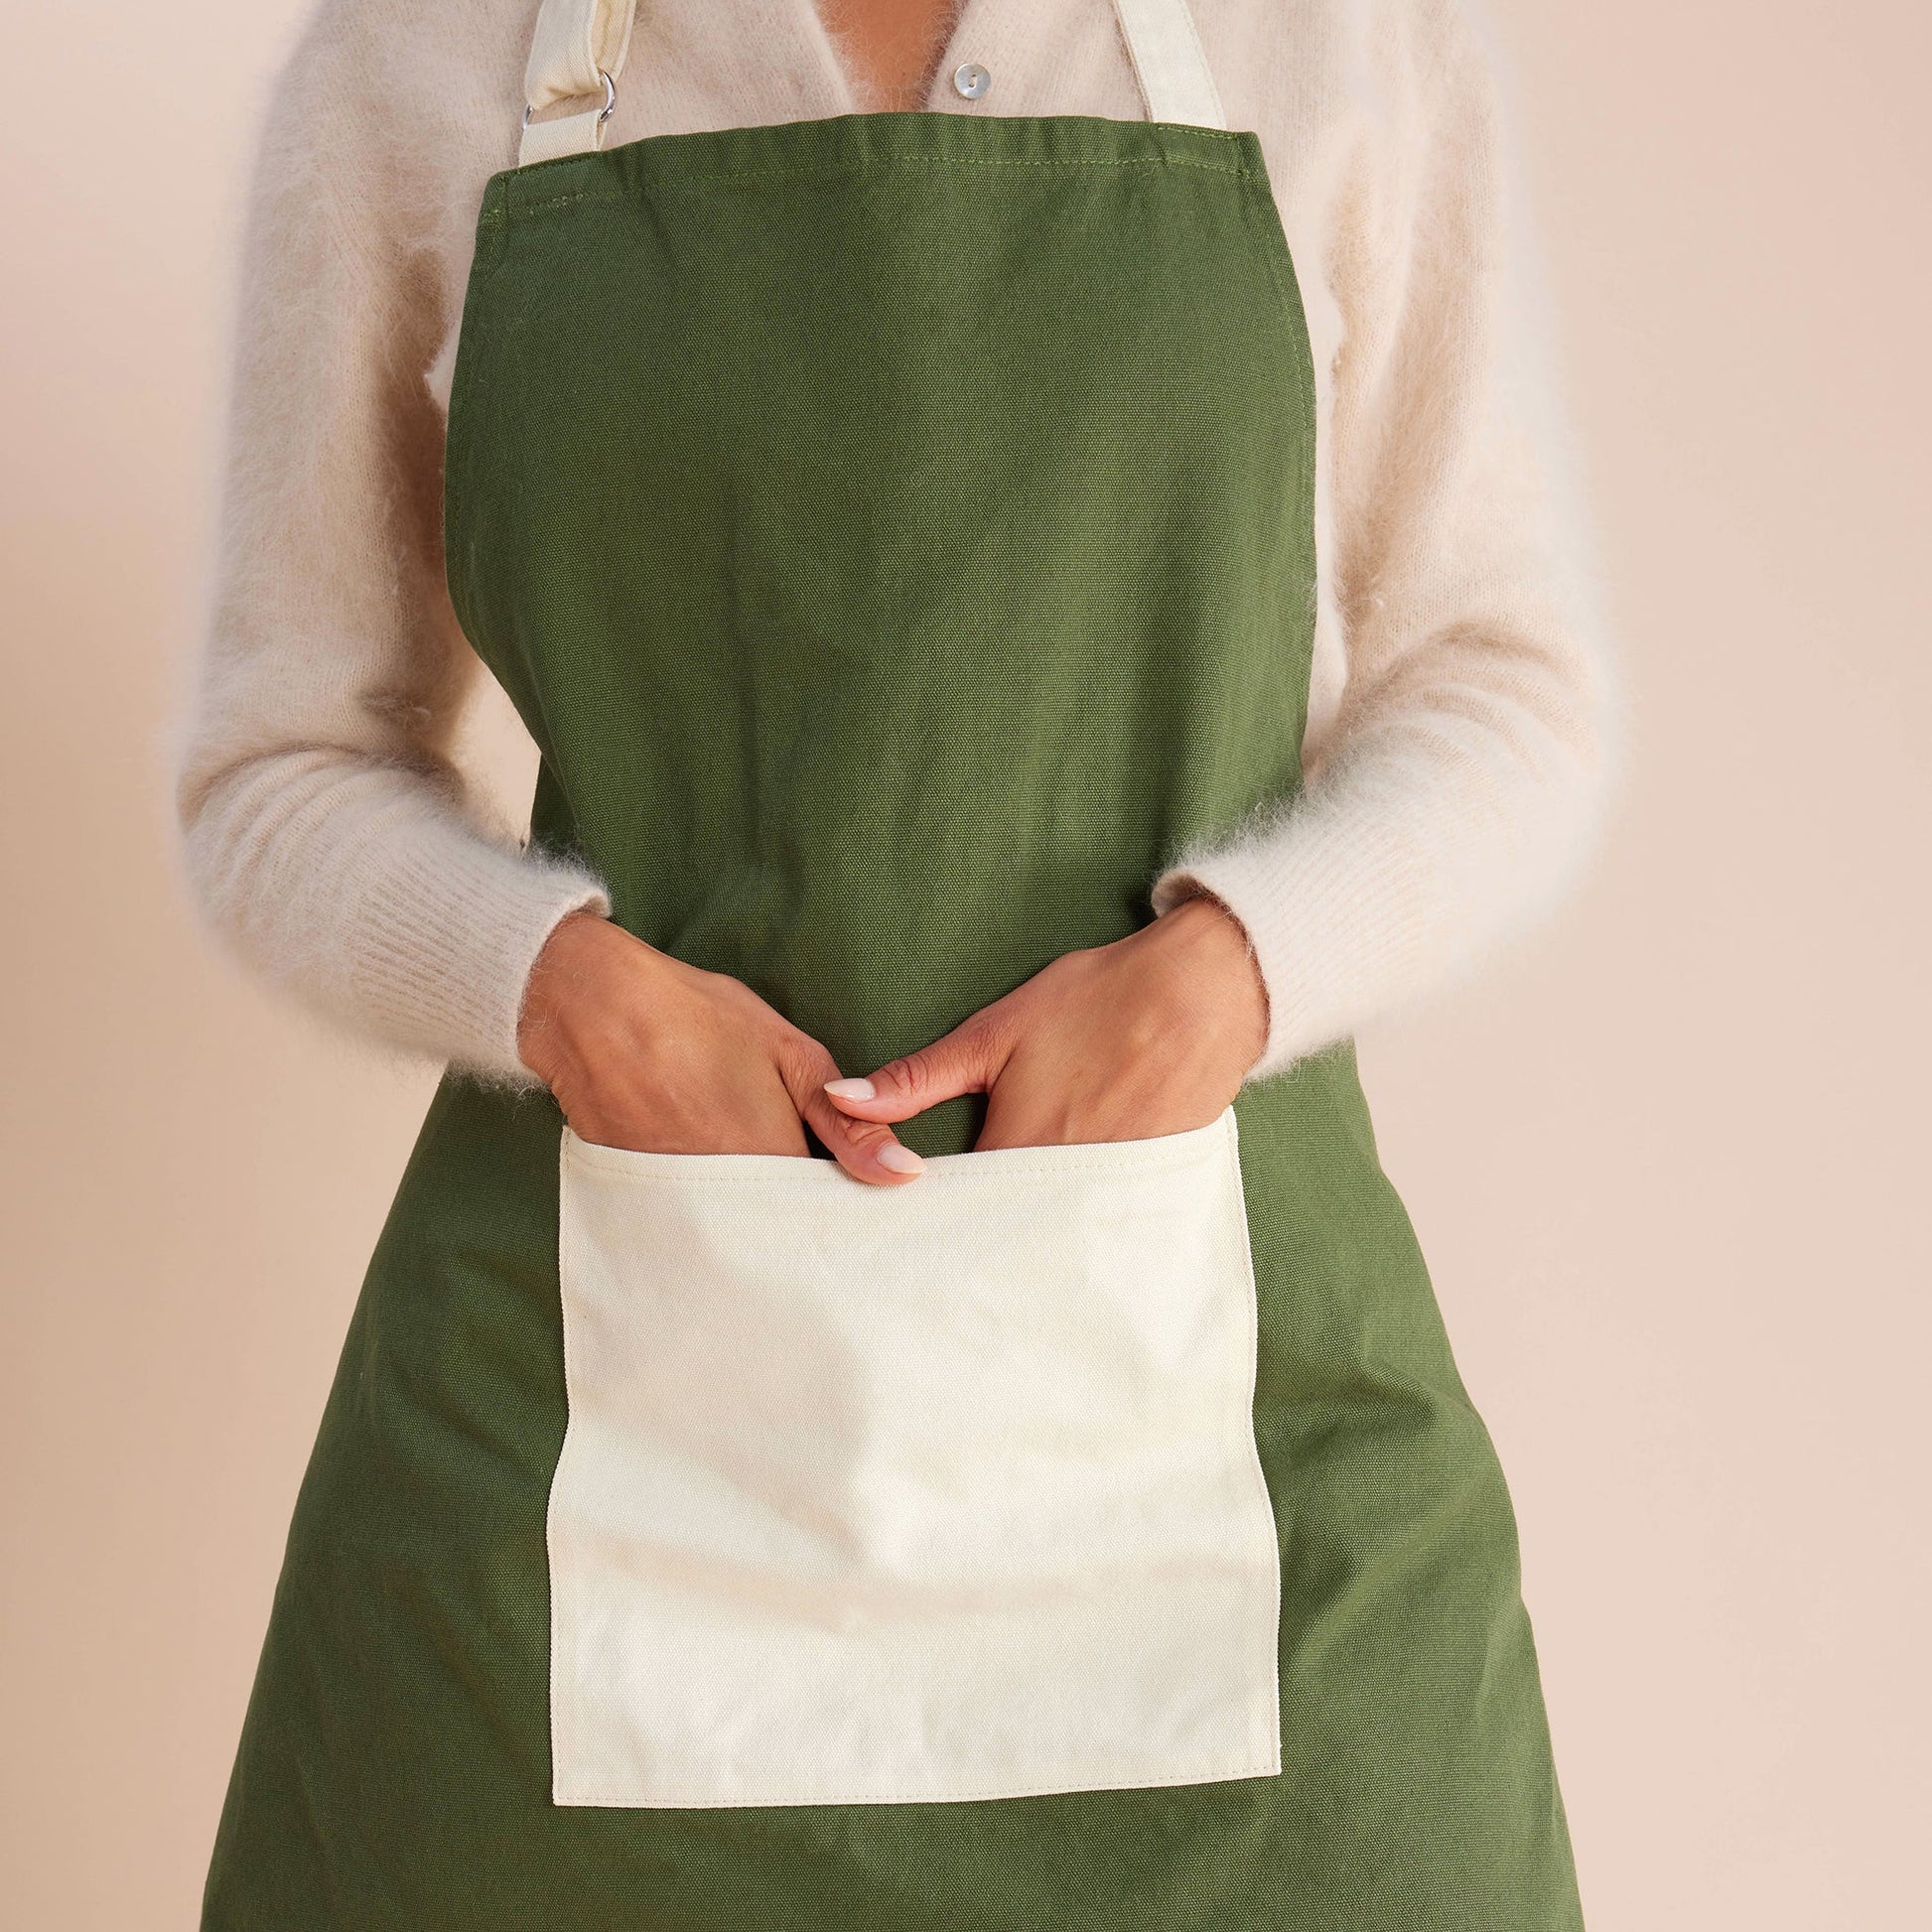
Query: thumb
964,1061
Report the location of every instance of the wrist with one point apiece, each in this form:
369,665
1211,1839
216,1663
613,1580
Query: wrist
566,968
1217,962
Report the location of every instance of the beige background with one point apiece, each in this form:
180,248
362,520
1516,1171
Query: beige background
1668,1160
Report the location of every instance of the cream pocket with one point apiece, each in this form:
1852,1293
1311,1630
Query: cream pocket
942,1491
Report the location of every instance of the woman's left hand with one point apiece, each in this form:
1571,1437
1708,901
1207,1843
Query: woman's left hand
1152,1034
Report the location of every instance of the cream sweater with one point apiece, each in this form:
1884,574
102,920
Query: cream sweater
1464,719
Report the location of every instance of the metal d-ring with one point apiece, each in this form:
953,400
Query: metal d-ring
604,113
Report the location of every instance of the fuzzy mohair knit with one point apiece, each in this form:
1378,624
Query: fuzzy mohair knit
1464,717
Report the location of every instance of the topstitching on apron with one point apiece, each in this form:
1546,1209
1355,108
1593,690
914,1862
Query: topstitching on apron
897,532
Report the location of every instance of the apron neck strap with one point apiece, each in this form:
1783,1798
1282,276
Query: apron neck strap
1170,62
579,49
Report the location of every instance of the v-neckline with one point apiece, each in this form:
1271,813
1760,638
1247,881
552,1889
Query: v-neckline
851,97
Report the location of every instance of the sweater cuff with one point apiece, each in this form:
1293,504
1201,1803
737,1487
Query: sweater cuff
1331,939
458,926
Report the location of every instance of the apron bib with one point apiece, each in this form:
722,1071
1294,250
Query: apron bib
896,531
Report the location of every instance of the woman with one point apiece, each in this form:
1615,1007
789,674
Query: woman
1040,614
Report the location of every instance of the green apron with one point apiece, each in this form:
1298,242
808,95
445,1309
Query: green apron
897,532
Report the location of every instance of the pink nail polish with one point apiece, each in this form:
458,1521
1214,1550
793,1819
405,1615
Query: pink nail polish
896,1158
851,1089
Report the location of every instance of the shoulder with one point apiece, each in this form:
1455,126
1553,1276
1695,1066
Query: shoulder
380,76
384,120
1361,69
381,43
1395,42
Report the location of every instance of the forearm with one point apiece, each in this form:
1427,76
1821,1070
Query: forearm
1419,848
368,893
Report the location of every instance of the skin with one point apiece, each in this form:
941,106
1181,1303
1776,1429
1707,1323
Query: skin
1152,1034
892,46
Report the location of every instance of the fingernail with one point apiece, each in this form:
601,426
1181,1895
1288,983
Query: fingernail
851,1089
896,1157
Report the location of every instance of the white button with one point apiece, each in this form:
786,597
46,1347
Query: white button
971,82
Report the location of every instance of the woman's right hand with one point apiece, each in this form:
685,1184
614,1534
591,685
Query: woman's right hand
644,1051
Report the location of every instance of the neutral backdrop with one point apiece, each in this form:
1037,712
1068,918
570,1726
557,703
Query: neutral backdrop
1668,1157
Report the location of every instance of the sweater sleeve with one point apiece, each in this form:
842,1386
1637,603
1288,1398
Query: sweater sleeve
1464,775
326,830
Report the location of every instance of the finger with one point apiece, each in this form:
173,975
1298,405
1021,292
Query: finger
867,1149
965,1060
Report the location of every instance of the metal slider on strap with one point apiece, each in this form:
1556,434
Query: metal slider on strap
603,113
567,133
578,50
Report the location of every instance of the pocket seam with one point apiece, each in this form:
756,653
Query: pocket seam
1267,1768
562,1658
1244,1427
1150,1154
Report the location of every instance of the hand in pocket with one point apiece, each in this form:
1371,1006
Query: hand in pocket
648,1053
1152,1034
